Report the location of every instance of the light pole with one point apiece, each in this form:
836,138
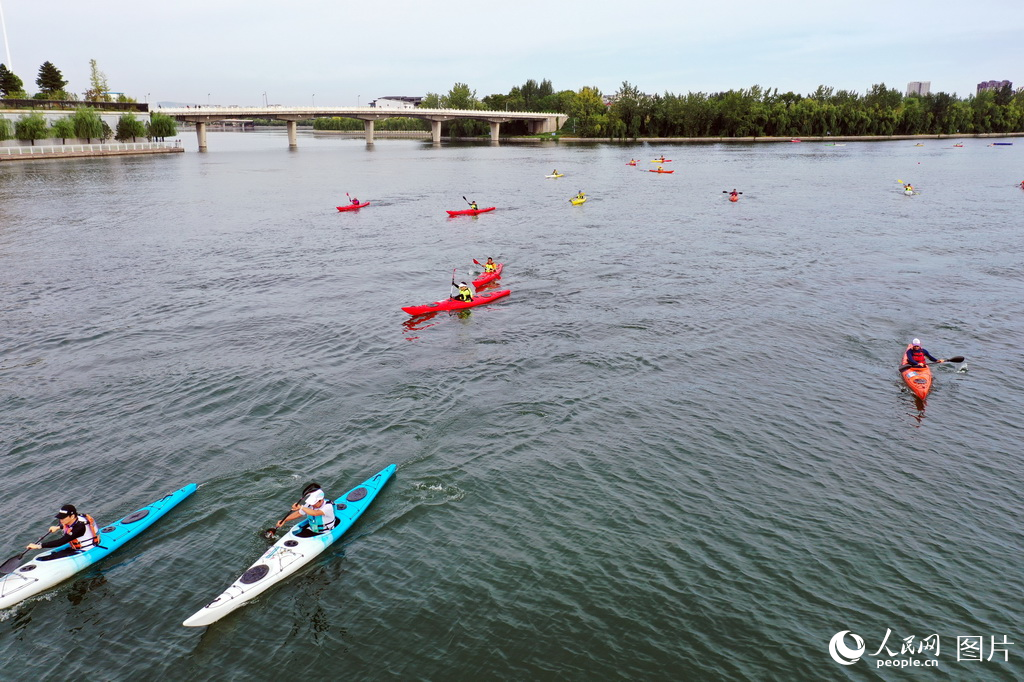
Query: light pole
147,98
314,99
357,101
207,99
264,99
7,44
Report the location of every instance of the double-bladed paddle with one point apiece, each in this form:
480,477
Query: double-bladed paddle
725,191
11,564
955,358
271,532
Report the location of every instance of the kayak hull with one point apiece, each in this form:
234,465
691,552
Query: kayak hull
488,277
917,379
450,304
661,160
733,197
353,207
577,202
470,211
291,552
560,175
653,170
39,574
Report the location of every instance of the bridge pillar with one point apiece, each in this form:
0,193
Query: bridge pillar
368,128
435,132
201,135
494,130
293,140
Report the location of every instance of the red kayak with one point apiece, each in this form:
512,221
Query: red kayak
487,277
352,207
733,197
655,170
452,304
471,211
918,379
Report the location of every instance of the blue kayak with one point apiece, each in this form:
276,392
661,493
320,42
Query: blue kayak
43,572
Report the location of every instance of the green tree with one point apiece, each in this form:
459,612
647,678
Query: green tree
87,124
6,130
62,128
31,127
11,86
589,113
161,126
98,87
630,112
129,126
50,80
462,97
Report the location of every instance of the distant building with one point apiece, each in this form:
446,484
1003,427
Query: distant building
920,88
993,85
396,102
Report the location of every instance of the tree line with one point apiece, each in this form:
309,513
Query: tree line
51,84
86,124
753,112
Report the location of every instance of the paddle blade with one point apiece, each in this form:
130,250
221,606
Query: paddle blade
11,564
270,533
955,358
477,262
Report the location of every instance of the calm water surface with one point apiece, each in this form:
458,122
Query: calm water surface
679,450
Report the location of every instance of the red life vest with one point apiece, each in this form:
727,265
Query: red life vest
916,356
91,538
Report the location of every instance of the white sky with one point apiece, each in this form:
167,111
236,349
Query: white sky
342,52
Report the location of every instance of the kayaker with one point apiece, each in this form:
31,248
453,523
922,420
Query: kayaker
464,293
734,194
908,187
916,355
659,169
581,195
473,206
554,172
355,202
318,508
490,265
77,530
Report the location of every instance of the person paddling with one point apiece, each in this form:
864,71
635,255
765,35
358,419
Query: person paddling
318,509
490,265
581,195
355,202
473,206
464,293
734,195
916,355
78,531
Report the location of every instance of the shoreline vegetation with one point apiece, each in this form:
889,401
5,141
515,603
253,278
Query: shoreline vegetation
708,140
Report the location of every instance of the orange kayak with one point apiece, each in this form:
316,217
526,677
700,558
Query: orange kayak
918,379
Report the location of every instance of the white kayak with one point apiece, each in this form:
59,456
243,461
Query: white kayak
43,572
293,551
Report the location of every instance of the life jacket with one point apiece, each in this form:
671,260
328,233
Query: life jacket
464,294
916,356
91,538
317,523
490,267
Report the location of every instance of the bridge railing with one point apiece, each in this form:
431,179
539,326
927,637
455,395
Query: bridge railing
43,150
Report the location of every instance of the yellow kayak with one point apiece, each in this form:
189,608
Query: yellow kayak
577,202
558,175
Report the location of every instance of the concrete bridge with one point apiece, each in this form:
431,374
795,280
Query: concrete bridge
536,122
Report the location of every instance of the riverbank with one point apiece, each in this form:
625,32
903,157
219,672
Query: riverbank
75,151
809,138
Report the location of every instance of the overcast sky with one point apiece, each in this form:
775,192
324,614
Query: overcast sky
343,53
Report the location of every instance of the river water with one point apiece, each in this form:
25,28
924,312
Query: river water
680,450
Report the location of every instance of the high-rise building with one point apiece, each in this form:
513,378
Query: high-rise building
919,88
993,85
